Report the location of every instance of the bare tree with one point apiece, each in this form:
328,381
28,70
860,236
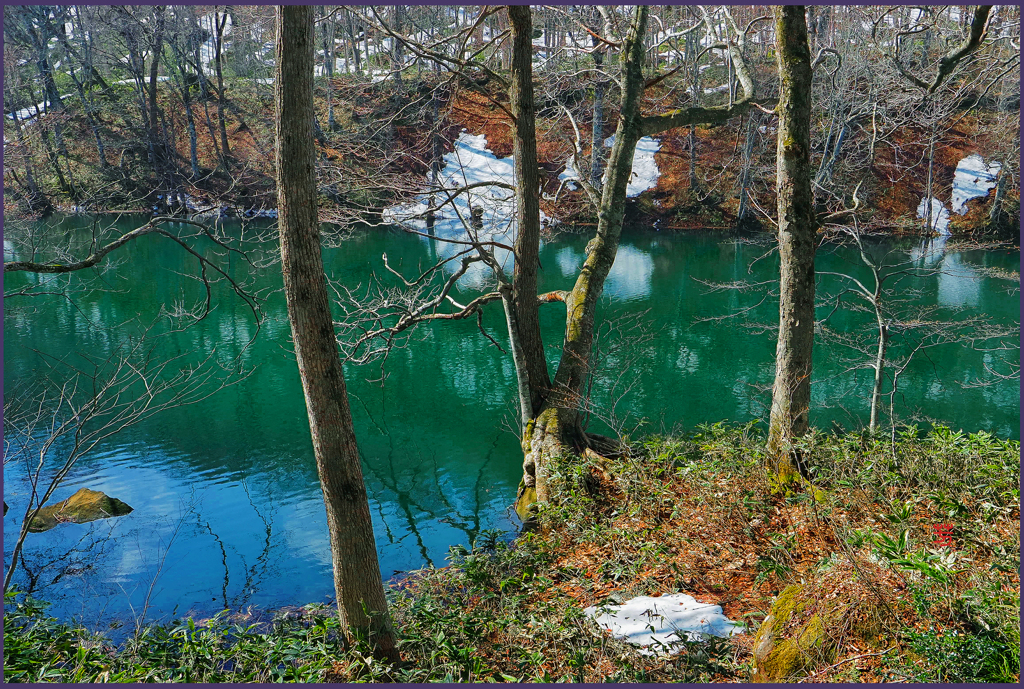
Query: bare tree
791,394
90,402
895,315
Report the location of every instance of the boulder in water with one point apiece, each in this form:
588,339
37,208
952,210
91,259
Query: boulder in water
84,506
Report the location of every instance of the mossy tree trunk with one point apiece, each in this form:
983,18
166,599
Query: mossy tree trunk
791,394
357,582
556,425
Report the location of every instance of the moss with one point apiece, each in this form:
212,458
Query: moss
84,506
777,658
526,501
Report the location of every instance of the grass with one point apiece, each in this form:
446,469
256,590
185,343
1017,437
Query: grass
683,514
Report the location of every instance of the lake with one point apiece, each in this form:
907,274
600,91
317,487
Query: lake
227,507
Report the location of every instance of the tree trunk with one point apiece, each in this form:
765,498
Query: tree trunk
928,222
156,154
396,45
221,97
556,428
597,126
36,201
356,572
527,245
876,390
791,394
190,119
748,154
995,215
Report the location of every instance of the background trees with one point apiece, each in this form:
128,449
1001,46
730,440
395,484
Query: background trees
393,87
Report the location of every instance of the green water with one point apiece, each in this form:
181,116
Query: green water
228,512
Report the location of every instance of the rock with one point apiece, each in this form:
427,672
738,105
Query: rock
783,650
84,506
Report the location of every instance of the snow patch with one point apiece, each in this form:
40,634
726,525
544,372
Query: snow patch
570,173
470,163
645,168
972,179
939,220
662,624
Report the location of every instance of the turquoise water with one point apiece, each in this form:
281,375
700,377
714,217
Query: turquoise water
228,511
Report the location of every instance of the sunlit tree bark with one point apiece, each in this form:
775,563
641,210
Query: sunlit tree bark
357,582
791,394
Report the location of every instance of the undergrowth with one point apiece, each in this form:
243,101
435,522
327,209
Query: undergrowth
918,535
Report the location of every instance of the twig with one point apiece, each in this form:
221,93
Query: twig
841,662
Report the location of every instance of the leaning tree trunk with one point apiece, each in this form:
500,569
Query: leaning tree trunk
791,395
357,582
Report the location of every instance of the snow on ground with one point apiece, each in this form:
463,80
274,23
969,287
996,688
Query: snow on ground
645,167
661,624
971,180
569,174
939,220
470,163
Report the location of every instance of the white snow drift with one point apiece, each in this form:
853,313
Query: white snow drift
660,625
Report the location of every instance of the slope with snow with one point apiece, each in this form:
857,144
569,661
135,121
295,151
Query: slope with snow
471,162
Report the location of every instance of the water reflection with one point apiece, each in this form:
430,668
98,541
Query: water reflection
228,510
959,283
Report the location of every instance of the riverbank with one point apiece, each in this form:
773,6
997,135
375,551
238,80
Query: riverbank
382,133
862,554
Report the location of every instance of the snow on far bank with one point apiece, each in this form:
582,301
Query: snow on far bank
471,162
645,167
569,174
661,624
939,220
971,180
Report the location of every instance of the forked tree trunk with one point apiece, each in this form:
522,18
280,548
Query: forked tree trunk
556,428
791,395
357,582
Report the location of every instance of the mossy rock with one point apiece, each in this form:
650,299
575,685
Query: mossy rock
84,506
526,502
784,651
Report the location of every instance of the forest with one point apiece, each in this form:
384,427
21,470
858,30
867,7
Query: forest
508,343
